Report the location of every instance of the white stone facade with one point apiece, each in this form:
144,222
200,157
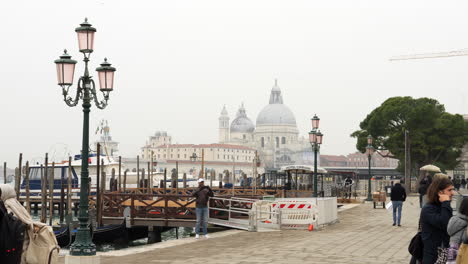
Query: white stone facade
275,134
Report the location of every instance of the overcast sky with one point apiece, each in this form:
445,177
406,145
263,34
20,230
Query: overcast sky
178,62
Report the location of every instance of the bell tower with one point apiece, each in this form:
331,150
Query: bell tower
224,126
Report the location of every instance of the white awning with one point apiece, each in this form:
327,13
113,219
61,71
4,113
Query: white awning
305,168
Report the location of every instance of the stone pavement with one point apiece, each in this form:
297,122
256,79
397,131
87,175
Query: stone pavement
364,235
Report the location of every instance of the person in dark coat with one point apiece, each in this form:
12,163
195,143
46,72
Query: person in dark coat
434,218
463,183
422,190
398,196
203,194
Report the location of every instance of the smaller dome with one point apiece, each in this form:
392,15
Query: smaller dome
242,123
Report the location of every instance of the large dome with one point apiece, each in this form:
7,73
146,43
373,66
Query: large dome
242,123
276,113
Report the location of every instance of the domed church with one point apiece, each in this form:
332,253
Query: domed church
275,134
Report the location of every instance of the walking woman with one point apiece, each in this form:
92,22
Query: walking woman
435,216
456,230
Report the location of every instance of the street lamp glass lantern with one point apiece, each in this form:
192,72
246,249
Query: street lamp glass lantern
65,69
85,34
319,137
313,137
315,122
369,150
370,139
106,76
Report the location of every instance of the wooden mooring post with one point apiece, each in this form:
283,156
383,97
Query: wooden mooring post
120,174
4,173
51,194
26,180
18,179
103,188
62,199
177,177
142,180
125,181
44,189
138,173
69,188
149,178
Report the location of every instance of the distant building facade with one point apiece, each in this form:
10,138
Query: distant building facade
217,158
275,134
358,159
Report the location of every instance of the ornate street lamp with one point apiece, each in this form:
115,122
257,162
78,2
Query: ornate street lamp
315,139
86,90
369,151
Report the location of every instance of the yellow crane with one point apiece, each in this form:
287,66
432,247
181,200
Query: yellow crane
454,53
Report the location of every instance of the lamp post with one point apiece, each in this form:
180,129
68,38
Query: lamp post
86,90
369,151
315,139
195,158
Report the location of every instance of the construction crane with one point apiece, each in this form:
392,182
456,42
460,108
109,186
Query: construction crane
454,53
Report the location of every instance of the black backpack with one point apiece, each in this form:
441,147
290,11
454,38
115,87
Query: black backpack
11,237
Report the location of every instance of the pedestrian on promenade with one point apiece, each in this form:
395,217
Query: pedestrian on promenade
348,187
202,193
456,230
422,190
457,183
463,183
397,196
434,218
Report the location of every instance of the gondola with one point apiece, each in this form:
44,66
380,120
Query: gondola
106,234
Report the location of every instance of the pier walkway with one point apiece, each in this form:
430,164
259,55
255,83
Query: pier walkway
364,235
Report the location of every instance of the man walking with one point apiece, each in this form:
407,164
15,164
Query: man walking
348,187
398,196
202,193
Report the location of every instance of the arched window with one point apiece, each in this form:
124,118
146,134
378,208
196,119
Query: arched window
262,142
283,140
277,142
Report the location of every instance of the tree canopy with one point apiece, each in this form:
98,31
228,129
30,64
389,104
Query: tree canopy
436,137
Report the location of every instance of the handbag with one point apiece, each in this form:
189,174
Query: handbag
416,245
43,247
462,257
442,255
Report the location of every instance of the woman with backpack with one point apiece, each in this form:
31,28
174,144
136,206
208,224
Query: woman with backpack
456,230
435,216
43,248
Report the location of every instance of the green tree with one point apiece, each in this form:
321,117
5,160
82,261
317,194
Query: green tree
436,137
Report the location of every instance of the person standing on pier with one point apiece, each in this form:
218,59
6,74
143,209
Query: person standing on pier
203,194
397,196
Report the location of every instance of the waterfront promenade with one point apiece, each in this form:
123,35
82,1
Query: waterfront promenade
363,235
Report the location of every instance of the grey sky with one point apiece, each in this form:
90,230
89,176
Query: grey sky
178,62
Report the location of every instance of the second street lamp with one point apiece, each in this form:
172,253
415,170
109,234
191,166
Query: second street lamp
86,90
315,139
369,151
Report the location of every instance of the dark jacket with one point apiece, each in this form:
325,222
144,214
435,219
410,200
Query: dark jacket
434,222
202,194
398,193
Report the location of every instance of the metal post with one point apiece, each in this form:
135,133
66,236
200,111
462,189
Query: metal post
315,147
369,194
83,245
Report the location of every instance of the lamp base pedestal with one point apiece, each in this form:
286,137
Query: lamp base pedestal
82,259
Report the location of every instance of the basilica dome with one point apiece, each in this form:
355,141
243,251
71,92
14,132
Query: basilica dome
276,113
242,123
